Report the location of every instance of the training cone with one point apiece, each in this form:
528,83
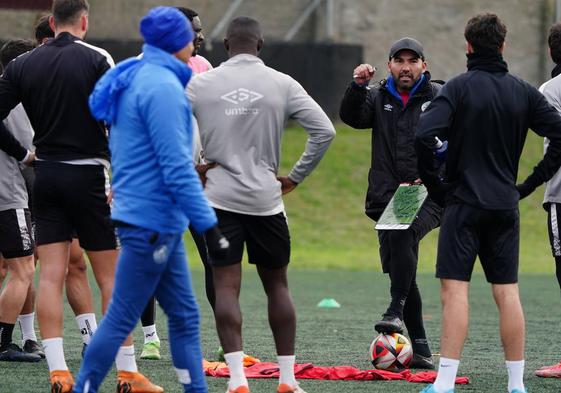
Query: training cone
329,303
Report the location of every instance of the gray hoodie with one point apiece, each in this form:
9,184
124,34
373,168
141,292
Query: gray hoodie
242,108
13,193
552,92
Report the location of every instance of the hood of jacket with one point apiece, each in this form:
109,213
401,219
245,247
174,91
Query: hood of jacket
104,99
388,84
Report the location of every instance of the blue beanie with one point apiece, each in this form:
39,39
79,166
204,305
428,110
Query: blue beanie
166,28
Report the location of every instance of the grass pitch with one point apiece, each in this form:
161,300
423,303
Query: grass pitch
342,336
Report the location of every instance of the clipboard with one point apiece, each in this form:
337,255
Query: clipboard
402,210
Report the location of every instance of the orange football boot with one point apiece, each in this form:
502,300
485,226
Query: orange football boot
129,382
61,381
239,389
284,388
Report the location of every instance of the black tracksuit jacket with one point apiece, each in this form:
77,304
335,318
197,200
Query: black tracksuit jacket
485,114
393,157
53,82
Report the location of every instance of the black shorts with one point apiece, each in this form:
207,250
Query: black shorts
427,219
266,237
553,212
467,232
16,235
70,198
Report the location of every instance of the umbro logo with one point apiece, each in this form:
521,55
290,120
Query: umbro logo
388,107
241,96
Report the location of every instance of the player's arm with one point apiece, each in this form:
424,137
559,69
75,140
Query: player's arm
302,108
106,62
11,146
434,123
553,96
9,99
166,113
201,165
545,121
357,106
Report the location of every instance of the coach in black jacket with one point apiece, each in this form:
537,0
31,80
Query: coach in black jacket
392,110
484,114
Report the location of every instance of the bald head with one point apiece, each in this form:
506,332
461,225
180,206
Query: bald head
243,36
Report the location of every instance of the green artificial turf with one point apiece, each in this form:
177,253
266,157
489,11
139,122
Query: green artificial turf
330,337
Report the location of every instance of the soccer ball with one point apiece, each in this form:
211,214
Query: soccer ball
391,352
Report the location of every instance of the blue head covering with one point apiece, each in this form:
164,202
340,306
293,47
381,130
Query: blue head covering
166,28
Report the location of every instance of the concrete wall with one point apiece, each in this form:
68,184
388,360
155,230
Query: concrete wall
276,16
439,25
375,24
118,19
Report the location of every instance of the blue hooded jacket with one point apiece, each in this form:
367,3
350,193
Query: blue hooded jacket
155,185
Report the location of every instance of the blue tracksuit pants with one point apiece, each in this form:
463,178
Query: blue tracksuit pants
150,264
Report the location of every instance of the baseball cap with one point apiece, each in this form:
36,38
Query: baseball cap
407,43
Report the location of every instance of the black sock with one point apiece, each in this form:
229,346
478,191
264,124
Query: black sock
6,330
413,318
421,347
148,317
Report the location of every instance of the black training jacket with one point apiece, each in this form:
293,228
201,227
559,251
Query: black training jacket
485,114
53,82
393,159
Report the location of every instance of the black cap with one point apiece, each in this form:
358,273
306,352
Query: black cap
407,43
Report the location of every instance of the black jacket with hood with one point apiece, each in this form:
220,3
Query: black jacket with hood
393,159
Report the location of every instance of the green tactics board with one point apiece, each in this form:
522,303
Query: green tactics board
403,207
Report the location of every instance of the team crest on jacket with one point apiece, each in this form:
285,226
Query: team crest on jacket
160,254
388,107
425,105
